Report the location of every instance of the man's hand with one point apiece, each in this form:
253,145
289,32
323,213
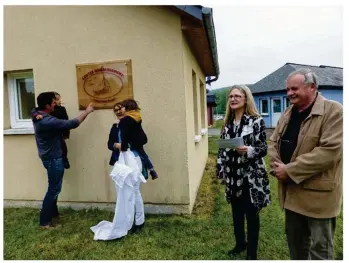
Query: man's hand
86,112
280,171
90,108
242,150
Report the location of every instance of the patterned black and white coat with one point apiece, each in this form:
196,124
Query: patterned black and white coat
234,168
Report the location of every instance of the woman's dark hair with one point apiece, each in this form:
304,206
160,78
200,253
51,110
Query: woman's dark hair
45,98
130,104
56,93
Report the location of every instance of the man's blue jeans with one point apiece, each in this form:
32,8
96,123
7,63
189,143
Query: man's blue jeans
55,171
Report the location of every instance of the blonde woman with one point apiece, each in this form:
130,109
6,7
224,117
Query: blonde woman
243,168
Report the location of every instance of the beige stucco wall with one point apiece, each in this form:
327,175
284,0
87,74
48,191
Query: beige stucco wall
51,40
197,151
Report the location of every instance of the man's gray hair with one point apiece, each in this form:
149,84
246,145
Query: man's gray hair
309,76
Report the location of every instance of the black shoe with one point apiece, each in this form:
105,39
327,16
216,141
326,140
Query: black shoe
135,228
58,219
249,257
153,174
51,226
237,250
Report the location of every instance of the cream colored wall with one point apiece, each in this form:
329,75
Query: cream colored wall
52,40
197,152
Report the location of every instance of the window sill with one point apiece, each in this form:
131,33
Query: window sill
19,131
204,131
197,138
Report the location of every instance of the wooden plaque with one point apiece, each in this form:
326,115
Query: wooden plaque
104,83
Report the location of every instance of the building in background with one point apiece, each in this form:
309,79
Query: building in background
211,104
172,50
270,92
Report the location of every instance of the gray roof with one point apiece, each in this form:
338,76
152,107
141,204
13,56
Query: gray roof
211,98
193,10
327,76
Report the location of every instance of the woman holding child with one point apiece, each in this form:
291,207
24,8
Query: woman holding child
126,134
243,169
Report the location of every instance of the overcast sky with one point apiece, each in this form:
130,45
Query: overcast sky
255,41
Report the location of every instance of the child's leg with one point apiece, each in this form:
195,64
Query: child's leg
147,163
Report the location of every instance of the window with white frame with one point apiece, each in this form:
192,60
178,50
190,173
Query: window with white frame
287,102
21,99
264,107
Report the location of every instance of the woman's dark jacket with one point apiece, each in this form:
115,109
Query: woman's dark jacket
113,138
132,134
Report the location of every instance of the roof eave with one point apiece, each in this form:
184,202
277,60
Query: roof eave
211,35
197,22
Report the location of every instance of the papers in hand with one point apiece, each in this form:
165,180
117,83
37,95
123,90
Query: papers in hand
230,143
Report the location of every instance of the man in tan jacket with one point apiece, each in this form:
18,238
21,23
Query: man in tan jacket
305,153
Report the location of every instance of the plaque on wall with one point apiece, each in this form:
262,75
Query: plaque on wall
104,83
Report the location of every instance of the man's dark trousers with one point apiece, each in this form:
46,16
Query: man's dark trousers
309,238
55,171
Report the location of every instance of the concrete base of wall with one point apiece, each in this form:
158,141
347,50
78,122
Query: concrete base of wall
148,208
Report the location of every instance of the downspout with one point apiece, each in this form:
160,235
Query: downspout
210,32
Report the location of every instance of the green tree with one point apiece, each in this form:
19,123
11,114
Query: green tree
221,101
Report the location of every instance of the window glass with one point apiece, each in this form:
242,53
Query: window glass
264,106
25,97
276,105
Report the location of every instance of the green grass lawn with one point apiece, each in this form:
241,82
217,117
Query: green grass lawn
206,234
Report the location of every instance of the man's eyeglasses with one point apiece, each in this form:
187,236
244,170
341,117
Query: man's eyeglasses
237,97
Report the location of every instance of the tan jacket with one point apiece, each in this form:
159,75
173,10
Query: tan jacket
316,164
